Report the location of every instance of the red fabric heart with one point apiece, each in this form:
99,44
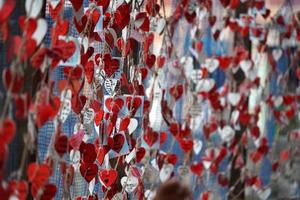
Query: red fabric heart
176,91
108,177
67,48
88,171
133,104
38,174
76,140
150,60
140,153
110,65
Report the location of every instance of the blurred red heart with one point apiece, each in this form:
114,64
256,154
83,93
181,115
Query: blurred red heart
38,174
163,137
108,177
49,192
186,144
124,124
61,145
13,82
150,60
140,153
89,71
133,104
197,168
176,91
7,130
88,171
88,152
118,143
55,10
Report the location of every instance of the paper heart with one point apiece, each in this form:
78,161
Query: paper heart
205,85
176,91
124,124
38,174
118,143
76,139
166,172
88,171
67,48
6,10
88,152
186,145
108,177
111,65
21,187
89,71
277,53
140,153
129,183
150,138
227,133
61,145
197,168
234,98
133,104
264,194
197,146
114,105
111,85
98,117
101,152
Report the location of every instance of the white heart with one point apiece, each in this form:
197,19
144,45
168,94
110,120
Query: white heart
226,133
54,3
211,64
197,146
88,116
166,172
33,7
40,31
277,53
110,85
205,85
129,183
207,164
264,194
132,125
234,98
277,100
245,65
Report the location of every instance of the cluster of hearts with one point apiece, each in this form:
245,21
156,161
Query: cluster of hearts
131,106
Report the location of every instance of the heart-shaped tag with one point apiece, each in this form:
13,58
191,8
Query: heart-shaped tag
129,183
197,146
211,64
108,177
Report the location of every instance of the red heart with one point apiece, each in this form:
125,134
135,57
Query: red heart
186,145
13,82
190,16
110,65
98,117
76,140
161,61
140,153
49,192
80,25
89,71
102,151
146,22
77,4
133,104
108,177
150,60
7,130
61,145
55,11
38,174
114,105
212,20
88,152
223,180
174,129
197,168
67,47
150,138
28,26
118,143
176,91
88,171
6,9
124,124
122,16
163,137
